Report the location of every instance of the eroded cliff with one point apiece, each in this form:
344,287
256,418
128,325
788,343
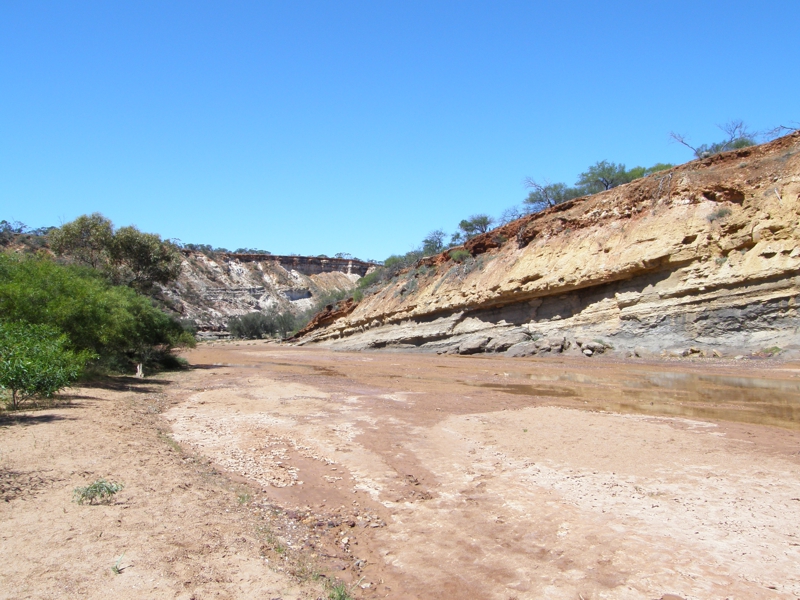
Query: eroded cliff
702,256
212,289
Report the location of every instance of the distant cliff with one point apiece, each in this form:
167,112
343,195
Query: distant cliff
701,258
213,288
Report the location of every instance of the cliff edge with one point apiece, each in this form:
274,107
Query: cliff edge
701,258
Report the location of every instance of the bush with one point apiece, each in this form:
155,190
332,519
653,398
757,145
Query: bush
460,255
34,361
115,323
253,326
100,491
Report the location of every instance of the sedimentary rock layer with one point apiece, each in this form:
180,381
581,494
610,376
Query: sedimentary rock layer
211,289
702,256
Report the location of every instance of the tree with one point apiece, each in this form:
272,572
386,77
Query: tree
738,136
549,194
602,175
433,242
141,259
35,361
86,239
513,213
126,256
475,225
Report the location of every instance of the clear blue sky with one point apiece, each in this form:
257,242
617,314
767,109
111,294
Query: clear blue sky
321,127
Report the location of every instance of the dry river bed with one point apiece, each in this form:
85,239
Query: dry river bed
420,476
274,472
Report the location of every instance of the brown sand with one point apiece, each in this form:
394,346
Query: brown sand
415,476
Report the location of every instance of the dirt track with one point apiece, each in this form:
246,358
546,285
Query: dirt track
414,476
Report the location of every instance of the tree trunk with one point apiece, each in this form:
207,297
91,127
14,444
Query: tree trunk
140,371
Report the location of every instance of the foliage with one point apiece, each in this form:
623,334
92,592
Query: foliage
603,175
86,239
433,243
339,592
251,251
126,256
141,259
460,255
544,196
29,240
475,225
737,136
115,323
253,326
99,491
206,249
35,361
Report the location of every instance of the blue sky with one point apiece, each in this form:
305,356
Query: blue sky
321,127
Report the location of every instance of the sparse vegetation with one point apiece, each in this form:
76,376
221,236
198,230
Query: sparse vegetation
97,492
720,213
460,255
738,136
339,592
116,568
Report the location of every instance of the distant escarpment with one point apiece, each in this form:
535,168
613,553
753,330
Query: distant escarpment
213,288
702,258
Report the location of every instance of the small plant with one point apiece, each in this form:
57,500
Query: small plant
721,260
772,351
720,213
339,592
244,498
116,569
100,491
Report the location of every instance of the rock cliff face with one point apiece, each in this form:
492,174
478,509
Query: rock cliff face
210,290
699,258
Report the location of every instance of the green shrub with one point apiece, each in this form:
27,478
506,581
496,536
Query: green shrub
460,255
99,491
253,326
339,592
115,323
34,361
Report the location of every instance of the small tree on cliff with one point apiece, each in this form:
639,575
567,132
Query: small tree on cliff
544,196
475,225
737,136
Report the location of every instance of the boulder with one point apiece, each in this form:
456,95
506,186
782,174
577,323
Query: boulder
504,341
522,349
473,344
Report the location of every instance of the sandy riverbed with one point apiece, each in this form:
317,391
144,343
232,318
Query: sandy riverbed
412,476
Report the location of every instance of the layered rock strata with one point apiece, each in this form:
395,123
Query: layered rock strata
212,289
701,258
